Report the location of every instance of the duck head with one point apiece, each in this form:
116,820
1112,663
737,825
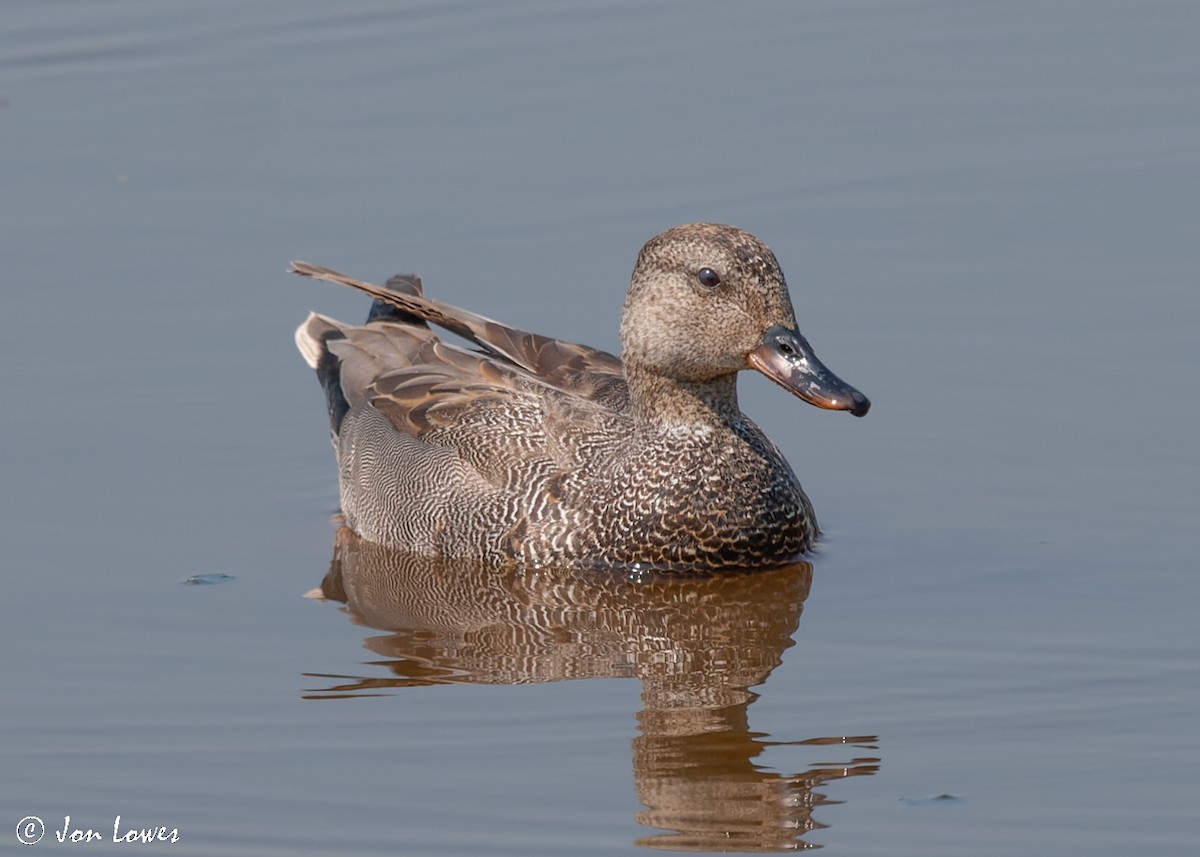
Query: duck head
707,301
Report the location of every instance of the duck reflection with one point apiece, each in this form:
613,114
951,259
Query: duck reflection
696,643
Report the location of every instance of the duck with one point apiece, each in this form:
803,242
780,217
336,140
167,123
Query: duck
515,448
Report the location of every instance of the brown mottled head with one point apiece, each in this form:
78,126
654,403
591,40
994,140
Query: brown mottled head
707,301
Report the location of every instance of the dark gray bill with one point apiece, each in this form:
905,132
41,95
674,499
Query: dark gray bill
787,359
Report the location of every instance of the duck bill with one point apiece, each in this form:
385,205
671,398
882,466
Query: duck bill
787,359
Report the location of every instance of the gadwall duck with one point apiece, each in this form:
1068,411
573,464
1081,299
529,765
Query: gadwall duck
542,452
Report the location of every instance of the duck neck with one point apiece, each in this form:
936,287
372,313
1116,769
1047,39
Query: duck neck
659,401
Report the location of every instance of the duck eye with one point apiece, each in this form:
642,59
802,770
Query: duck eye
708,278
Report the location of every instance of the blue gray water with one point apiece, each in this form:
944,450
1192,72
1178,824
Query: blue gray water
989,214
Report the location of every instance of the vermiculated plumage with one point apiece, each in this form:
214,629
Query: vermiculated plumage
538,451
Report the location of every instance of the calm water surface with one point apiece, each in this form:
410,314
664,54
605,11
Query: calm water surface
989,214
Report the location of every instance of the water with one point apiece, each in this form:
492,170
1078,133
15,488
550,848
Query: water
988,216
